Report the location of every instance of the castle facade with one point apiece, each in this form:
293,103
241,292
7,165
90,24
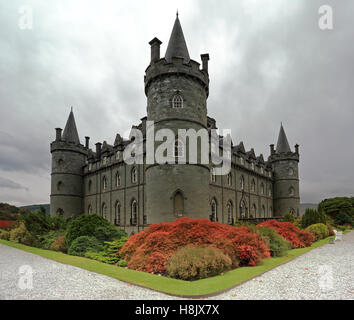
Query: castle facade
132,196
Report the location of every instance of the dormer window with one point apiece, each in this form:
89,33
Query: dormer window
90,166
104,160
242,161
117,155
177,101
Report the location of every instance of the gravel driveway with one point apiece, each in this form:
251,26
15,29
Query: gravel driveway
323,273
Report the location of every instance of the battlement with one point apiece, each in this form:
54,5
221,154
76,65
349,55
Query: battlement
178,66
284,156
63,145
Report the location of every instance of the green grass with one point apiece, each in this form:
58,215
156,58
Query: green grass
168,285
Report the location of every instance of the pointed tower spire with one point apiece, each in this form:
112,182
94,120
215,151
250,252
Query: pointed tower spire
177,46
283,144
70,132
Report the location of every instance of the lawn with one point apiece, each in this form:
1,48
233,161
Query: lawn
171,286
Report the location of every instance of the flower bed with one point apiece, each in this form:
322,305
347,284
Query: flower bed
150,249
299,238
4,224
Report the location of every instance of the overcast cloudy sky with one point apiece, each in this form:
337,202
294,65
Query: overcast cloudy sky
269,62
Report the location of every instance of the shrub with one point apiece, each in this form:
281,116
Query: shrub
318,230
47,239
277,244
289,217
21,235
296,236
59,244
5,235
330,230
312,216
192,263
150,249
122,263
92,225
83,244
5,224
342,219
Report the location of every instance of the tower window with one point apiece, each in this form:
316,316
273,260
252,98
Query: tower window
117,214
59,186
214,213
291,191
134,177
60,212
291,171
242,183
212,176
229,212
104,183
179,149
118,179
134,213
177,101
229,179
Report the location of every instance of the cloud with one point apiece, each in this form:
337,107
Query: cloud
9,184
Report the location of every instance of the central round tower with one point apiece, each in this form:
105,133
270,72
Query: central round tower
177,91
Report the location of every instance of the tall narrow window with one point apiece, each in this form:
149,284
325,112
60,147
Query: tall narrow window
263,211
179,149
178,204
229,179
242,183
104,182
253,186
134,213
214,213
291,191
118,179
177,101
270,212
59,186
262,188
229,212
134,175
212,176
243,209
104,211
117,214
254,211
89,209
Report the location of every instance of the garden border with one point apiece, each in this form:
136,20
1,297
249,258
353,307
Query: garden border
169,286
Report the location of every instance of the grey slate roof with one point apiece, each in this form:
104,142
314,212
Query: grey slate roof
177,46
283,144
70,132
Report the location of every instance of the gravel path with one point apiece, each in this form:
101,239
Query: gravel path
323,273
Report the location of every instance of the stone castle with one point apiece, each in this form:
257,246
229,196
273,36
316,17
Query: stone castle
133,196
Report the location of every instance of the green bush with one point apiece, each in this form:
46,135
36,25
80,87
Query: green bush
340,228
122,263
99,256
21,235
47,239
277,244
289,217
92,225
312,216
319,231
83,244
192,263
342,219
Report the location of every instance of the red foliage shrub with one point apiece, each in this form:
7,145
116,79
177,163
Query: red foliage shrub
299,238
150,249
5,224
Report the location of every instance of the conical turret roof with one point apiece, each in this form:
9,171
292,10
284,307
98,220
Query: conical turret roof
70,132
177,46
283,144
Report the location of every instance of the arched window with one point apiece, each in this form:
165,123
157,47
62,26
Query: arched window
263,211
214,213
89,209
89,186
134,213
104,211
229,179
270,211
242,161
212,176
242,183
104,183
117,214
177,101
117,179
291,191
243,209
59,186
60,212
134,176
60,164
179,149
254,211
117,155
253,186
178,204
291,171
262,188
229,207
270,191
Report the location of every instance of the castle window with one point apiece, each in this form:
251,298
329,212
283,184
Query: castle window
270,211
263,211
254,211
291,191
262,170
117,179
89,209
270,191
117,214
89,186
252,166
59,186
242,183
134,213
90,166
104,182
117,155
243,209
60,212
253,186
179,149
104,160
214,213
229,179
104,211
133,175
177,101
178,204
291,171
212,176
242,161
229,212
262,188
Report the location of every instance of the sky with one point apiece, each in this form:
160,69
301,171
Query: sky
270,62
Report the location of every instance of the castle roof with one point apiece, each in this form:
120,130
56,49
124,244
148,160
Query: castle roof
70,132
283,144
177,46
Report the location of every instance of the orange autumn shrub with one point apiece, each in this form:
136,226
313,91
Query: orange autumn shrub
299,238
150,249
